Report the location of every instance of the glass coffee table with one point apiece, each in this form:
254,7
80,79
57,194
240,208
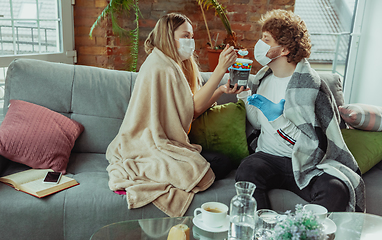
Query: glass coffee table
354,226
350,226
155,228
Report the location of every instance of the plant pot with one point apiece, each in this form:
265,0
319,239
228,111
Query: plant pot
213,58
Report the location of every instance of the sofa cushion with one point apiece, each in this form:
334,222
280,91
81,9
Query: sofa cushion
222,129
365,146
362,116
37,137
40,82
334,83
373,179
99,102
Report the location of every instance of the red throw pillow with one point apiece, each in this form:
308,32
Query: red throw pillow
38,137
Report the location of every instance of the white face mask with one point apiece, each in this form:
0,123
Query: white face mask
260,52
186,48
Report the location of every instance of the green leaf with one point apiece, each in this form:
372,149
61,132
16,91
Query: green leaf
113,10
220,11
99,19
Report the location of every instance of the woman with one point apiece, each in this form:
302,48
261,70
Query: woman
151,157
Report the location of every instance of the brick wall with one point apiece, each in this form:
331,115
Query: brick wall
108,51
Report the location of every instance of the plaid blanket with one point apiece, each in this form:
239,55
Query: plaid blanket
310,105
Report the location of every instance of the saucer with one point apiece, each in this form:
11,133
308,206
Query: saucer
199,223
329,226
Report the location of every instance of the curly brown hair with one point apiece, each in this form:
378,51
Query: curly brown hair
289,31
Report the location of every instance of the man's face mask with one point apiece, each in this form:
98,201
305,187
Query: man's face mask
260,52
186,48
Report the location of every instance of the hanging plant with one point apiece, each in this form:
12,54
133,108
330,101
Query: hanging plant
114,9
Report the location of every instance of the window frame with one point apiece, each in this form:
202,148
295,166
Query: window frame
67,54
353,50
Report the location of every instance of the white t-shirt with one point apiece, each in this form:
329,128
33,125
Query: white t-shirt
277,137
272,88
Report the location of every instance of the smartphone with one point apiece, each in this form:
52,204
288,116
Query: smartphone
52,177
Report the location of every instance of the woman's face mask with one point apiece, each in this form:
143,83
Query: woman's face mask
186,48
260,52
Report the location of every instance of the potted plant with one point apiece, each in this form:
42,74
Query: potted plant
231,39
114,9
301,225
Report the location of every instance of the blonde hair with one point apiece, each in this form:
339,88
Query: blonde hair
162,37
289,31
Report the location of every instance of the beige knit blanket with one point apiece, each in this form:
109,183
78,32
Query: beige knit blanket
151,157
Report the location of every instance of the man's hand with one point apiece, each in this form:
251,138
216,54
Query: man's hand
270,109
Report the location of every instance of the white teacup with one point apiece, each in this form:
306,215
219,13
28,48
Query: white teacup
319,211
214,214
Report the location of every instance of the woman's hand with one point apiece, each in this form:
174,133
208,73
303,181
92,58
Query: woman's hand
208,94
226,58
228,90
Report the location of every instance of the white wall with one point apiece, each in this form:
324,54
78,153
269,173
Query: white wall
367,81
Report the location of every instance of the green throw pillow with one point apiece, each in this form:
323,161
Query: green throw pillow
366,147
222,129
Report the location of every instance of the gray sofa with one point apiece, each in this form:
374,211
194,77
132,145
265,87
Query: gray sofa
98,99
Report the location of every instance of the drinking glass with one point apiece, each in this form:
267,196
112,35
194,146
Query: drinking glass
266,222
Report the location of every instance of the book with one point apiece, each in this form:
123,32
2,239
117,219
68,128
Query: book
31,182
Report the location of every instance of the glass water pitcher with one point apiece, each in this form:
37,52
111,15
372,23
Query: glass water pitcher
243,212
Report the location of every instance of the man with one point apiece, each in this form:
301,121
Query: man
300,147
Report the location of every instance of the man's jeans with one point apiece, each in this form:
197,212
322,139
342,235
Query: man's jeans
268,172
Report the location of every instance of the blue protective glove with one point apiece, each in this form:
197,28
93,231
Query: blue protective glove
270,109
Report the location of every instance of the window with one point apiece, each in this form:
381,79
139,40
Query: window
39,29
353,50
329,23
